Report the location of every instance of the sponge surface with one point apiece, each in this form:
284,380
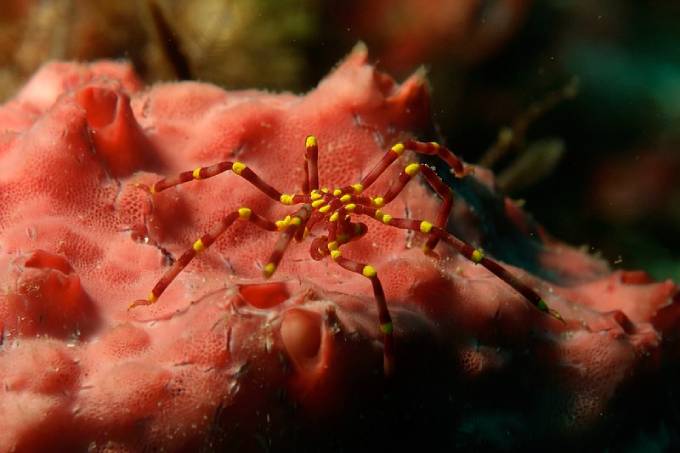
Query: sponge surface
80,240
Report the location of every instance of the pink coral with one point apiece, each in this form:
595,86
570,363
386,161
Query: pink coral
226,358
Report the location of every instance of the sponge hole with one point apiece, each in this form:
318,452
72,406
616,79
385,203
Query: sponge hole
264,295
301,335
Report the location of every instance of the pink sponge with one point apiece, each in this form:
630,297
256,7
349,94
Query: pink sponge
225,357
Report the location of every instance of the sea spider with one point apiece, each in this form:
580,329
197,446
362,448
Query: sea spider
337,208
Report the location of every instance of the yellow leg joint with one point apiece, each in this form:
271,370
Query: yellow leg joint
398,149
315,195
425,226
477,256
197,173
269,269
244,213
151,298
238,167
317,203
335,254
345,198
412,169
198,246
386,218
369,271
310,141
286,198
333,245
325,209
297,221
283,223
358,187
334,217
378,202
337,192
350,207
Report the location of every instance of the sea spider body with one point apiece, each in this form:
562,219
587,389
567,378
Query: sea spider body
336,210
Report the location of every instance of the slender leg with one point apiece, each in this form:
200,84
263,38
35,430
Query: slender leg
297,223
384,317
478,257
468,251
199,246
238,168
445,154
318,249
445,192
429,149
311,163
432,149
380,167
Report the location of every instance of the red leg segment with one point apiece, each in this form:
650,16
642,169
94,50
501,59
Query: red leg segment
446,194
238,168
311,163
384,317
199,246
468,251
435,149
297,222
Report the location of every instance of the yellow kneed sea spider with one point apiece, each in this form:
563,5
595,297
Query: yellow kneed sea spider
337,208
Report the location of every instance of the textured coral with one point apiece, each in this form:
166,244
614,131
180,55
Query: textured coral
226,358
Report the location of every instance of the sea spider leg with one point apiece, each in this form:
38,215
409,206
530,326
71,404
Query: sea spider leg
311,164
200,245
446,194
468,251
384,317
428,149
444,191
297,223
318,248
390,156
239,168
435,149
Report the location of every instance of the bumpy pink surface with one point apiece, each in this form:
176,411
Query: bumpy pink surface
79,241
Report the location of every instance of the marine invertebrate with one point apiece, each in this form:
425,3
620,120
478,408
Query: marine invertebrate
333,209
